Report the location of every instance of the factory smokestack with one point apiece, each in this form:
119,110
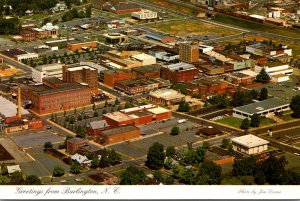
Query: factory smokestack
19,103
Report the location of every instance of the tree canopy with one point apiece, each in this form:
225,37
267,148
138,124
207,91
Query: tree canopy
132,176
155,156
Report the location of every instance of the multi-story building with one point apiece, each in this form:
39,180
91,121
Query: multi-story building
94,127
82,46
133,87
55,95
279,72
189,52
144,15
180,72
80,74
262,49
48,70
32,33
166,96
110,77
75,144
151,71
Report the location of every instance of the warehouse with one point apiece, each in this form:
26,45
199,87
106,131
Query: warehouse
119,134
249,144
263,108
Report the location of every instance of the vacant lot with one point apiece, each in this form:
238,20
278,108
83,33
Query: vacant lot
231,121
194,27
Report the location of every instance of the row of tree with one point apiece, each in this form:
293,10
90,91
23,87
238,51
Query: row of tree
74,13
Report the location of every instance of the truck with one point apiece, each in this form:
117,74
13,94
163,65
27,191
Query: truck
181,121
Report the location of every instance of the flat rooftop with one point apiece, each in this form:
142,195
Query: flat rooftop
133,109
180,66
262,106
9,109
158,110
167,94
13,52
249,141
120,129
118,116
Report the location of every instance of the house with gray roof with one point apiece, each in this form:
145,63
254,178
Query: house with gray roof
94,127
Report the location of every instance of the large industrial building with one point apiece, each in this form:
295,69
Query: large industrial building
54,95
119,134
137,116
48,70
144,15
180,72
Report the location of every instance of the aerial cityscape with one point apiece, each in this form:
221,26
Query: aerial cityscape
150,92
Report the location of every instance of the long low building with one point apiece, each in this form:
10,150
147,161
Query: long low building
266,107
119,134
166,96
249,144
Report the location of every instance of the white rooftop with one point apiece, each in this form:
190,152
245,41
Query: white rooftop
133,109
49,26
167,94
142,56
158,110
9,109
250,141
13,168
79,68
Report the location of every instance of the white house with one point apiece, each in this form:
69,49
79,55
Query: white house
279,72
144,15
249,144
13,168
48,70
82,160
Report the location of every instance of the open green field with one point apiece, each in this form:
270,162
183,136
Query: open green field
194,27
257,26
236,122
35,16
231,121
293,162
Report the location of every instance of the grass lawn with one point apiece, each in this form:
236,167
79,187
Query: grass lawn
293,161
287,117
297,144
35,16
194,27
257,26
265,122
231,121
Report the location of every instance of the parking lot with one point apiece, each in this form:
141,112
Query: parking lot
36,139
19,155
138,148
284,90
45,162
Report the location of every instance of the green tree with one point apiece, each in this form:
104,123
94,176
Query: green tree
48,145
263,95
254,94
183,106
206,145
245,124
33,180
104,111
117,101
155,156
255,120
17,178
4,179
104,162
169,181
295,106
96,114
114,158
188,177
213,170
94,107
263,76
72,120
95,162
75,168
170,151
158,176
58,171
244,167
225,143
175,130
240,98
201,152
79,117
132,176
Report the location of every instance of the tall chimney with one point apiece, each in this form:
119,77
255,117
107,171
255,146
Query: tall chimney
19,103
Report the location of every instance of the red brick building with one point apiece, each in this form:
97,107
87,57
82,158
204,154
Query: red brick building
137,115
93,129
110,77
75,144
119,134
83,45
152,71
54,96
180,72
80,74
